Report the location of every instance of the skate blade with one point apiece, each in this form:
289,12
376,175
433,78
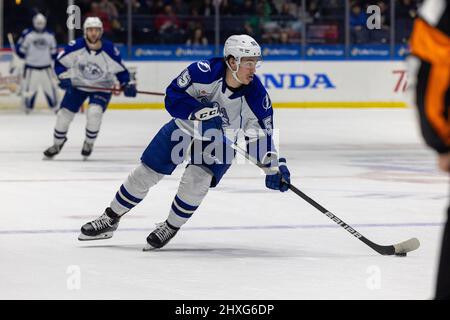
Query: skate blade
45,158
148,247
103,236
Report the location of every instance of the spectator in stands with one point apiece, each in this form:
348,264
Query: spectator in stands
194,20
284,38
207,8
168,26
290,25
286,16
96,11
405,12
84,5
110,9
385,14
248,29
197,38
358,28
261,22
248,9
270,7
332,8
226,8
382,35
314,10
406,9
180,8
154,7
136,6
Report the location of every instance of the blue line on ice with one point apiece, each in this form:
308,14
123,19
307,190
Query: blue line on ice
268,227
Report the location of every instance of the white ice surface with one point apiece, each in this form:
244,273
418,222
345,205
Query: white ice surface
368,166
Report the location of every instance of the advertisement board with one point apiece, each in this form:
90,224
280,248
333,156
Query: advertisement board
291,84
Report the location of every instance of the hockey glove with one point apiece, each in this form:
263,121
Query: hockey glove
66,84
129,90
280,180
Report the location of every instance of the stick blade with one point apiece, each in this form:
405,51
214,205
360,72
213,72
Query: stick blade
407,246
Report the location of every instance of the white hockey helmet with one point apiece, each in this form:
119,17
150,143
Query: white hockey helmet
240,46
92,22
39,22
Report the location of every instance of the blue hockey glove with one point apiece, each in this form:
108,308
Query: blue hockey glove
66,84
130,90
281,180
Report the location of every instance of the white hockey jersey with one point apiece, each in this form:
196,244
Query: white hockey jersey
37,48
86,67
247,109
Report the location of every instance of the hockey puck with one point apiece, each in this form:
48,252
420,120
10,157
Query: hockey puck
403,254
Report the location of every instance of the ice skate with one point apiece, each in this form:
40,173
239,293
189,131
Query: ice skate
54,150
87,149
101,228
160,236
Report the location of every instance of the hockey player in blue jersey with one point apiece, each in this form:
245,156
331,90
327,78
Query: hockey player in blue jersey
90,61
37,46
209,101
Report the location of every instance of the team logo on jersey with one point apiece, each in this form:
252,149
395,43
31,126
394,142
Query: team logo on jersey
91,71
204,66
72,43
183,79
116,51
40,43
267,104
268,124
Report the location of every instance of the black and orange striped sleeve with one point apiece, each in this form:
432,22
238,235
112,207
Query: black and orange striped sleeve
430,42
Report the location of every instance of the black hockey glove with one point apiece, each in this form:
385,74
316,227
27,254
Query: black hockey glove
129,90
66,84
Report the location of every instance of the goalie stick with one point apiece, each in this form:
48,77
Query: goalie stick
11,42
399,249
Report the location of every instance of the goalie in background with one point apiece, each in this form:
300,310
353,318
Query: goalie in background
37,46
430,78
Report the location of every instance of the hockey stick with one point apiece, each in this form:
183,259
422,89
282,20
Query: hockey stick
118,90
11,42
399,249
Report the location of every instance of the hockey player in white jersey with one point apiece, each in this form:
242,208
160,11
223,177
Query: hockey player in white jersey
207,100
37,46
90,61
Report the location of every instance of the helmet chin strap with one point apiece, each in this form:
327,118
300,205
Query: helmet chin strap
234,73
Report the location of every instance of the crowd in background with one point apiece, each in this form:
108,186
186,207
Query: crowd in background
192,22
